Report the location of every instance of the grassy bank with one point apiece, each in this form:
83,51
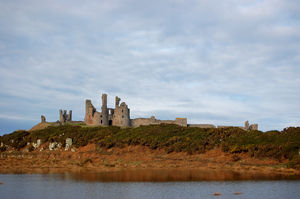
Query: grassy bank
172,138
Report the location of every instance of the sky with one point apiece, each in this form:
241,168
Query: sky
214,62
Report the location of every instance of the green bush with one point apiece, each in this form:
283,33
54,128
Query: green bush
3,148
171,138
31,148
295,162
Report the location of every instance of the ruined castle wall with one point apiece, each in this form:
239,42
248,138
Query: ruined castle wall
181,121
241,127
111,112
96,118
202,125
247,127
61,117
143,121
121,115
253,127
104,111
64,117
152,121
92,117
43,119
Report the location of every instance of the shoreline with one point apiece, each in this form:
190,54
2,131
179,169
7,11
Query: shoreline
141,161
158,174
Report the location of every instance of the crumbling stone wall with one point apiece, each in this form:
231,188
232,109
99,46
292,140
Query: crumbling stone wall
64,117
111,113
143,121
104,111
207,126
121,114
246,127
43,119
152,121
181,121
253,127
92,117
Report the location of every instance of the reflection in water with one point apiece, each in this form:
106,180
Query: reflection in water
78,186
164,175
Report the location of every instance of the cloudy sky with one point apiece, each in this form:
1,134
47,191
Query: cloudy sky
218,62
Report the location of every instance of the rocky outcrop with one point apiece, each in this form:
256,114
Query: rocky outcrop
68,144
54,146
37,144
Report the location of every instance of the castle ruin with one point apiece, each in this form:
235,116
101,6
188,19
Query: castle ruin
120,116
64,117
246,127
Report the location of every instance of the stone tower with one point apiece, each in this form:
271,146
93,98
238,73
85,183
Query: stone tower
90,113
121,114
43,119
247,125
64,117
104,111
118,116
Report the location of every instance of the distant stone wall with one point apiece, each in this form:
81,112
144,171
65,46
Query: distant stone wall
152,121
143,121
246,127
43,119
222,127
92,117
181,121
207,126
253,127
121,115
64,117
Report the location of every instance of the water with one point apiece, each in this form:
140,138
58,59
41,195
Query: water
66,186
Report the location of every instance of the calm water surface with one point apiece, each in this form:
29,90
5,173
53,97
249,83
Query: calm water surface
69,186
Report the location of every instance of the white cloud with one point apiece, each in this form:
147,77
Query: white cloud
230,62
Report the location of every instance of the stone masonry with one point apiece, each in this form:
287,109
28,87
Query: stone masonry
151,121
43,119
64,117
119,116
246,127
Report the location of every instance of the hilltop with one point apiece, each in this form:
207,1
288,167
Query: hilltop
152,146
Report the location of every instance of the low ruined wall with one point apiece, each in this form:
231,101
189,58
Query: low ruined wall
202,125
152,121
143,121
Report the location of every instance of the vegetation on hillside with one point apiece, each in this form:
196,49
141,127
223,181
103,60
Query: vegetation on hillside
172,138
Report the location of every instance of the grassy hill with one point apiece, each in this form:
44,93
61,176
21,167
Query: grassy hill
172,138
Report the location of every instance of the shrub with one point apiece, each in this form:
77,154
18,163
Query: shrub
295,162
3,148
31,148
171,138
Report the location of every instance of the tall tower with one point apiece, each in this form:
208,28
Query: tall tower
104,111
121,114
